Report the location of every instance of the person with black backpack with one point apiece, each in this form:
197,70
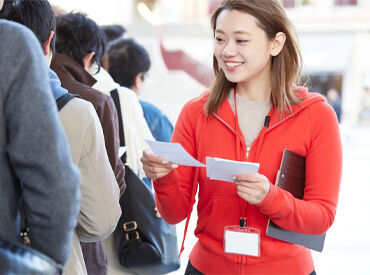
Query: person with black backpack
97,218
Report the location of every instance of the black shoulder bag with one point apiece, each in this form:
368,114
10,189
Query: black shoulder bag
146,244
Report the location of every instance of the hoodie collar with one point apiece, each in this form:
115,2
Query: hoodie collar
307,100
70,70
226,115
56,86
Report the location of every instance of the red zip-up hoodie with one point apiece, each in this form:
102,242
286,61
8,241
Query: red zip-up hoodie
311,130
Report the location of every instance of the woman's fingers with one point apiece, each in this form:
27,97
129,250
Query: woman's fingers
252,187
150,157
156,172
155,166
250,177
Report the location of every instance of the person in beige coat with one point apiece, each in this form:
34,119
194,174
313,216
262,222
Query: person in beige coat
100,210
99,205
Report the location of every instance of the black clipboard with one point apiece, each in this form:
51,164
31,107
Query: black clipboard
291,177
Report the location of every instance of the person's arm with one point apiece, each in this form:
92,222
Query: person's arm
173,192
109,121
100,208
38,149
315,213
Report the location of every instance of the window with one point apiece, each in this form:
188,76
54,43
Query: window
288,3
345,2
295,3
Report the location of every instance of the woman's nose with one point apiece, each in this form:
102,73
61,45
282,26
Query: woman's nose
229,50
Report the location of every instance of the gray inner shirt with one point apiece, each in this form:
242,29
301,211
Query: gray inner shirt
251,116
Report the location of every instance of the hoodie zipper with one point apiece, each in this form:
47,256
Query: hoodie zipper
248,149
232,130
267,130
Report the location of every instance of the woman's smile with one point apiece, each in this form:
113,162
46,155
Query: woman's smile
233,65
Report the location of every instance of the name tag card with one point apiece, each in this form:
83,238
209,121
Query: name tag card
242,240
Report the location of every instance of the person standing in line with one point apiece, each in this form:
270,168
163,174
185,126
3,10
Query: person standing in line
135,128
81,43
34,149
81,124
253,112
335,101
113,32
129,64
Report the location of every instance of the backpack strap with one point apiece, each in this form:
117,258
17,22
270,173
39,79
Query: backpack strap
115,97
64,99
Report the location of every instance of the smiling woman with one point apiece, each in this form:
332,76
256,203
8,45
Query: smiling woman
244,52
253,112
254,28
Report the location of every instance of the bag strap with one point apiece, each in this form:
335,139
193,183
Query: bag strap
64,99
115,97
195,182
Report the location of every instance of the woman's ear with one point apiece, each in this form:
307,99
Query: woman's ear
278,43
87,60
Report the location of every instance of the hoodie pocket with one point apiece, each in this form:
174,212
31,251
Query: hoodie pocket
225,211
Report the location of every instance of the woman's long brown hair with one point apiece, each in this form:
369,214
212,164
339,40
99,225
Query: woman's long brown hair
286,66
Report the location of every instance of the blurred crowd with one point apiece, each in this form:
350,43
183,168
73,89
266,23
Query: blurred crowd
62,134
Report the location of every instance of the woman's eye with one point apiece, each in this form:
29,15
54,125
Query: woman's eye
218,39
241,41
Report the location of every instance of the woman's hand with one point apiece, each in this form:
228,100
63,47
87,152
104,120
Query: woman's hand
156,167
252,187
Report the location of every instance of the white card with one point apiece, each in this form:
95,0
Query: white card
173,152
245,243
224,169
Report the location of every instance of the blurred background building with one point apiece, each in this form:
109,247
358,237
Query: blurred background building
334,36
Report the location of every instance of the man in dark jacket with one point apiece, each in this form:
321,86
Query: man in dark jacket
80,43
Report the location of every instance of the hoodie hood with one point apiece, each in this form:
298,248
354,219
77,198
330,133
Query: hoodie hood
104,82
56,86
307,100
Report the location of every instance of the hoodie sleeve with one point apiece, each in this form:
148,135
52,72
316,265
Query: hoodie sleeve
315,213
173,192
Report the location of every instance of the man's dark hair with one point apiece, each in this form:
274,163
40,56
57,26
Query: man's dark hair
113,32
37,15
127,59
78,35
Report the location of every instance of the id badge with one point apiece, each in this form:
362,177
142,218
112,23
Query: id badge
242,240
